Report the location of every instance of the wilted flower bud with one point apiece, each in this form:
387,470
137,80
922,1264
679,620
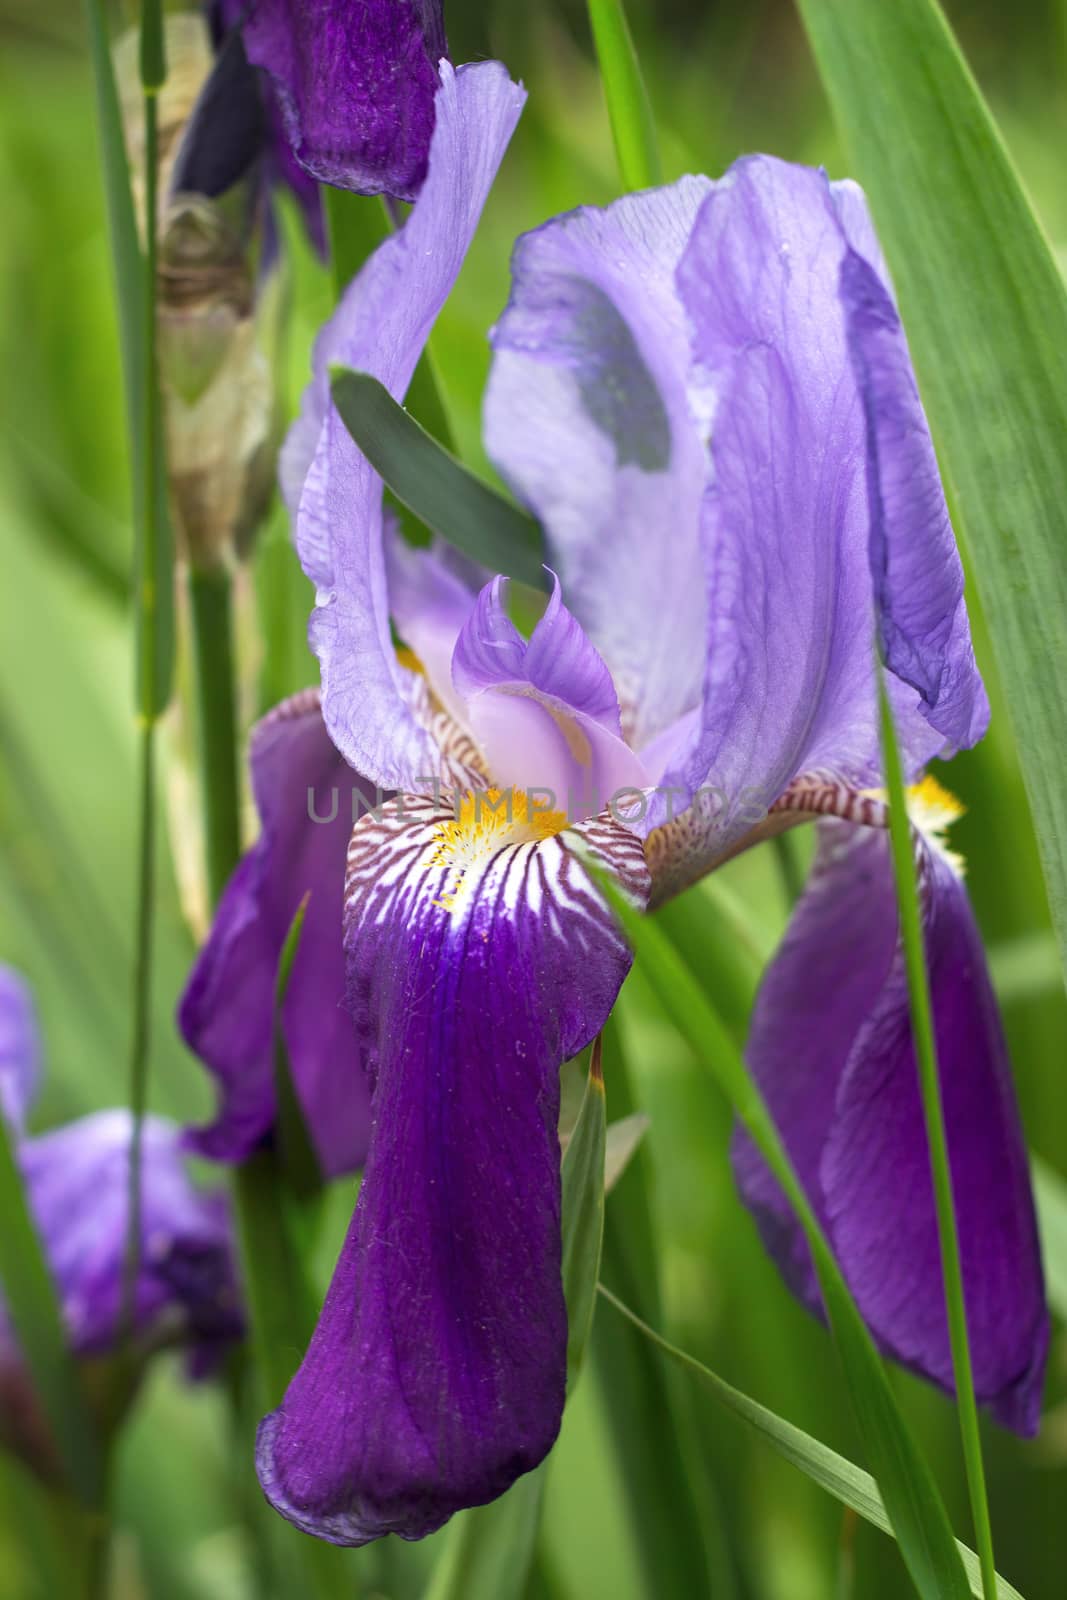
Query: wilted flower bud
217,303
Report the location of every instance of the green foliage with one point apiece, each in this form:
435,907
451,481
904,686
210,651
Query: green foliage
433,485
985,306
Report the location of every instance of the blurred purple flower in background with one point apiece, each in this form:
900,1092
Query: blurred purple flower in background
704,394
351,86
77,1187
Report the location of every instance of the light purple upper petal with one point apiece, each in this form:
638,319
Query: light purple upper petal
355,84
806,476
831,1049
436,1375
588,418
918,577
381,327
77,1184
226,1012
544,711
19,1049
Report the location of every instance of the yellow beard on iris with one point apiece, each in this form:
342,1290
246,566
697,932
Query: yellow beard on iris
487,821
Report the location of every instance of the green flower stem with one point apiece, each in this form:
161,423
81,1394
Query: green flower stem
149,689
911,933
281,1303
632,126
210,592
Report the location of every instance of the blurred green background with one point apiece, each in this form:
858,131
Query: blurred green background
724,78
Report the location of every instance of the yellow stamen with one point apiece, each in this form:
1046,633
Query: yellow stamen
489,820
408,658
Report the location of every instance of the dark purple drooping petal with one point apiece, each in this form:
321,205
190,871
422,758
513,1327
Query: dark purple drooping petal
307,799
831,1049
544,711
77,1185
355,82
19,1049
477,963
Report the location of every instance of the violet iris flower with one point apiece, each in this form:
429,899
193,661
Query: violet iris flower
77,1187
704,394
352,86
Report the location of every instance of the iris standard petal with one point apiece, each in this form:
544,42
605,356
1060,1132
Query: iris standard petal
545,710
588,418
355,85
77,1184
19,1049
381,327
477,964
308,798
831,1049
788,514
918,578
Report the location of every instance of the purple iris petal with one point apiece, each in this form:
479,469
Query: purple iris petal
806,481
226,1012
831,1049
431,595
19,1049
917,573
355,84
545,712
381,326
588,418
77,1184
436,1375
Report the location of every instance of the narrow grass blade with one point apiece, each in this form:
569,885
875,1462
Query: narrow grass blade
302,1170
134,278
31,1304
583,1213
832,1472
623,1142
489,1553
433,485
912,1500
922,1022
632,125
210,610
681,1543
1050,1193
986,310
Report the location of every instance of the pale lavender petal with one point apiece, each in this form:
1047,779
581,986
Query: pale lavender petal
787,517
587,415
431,594
19,1049
436,1375
77,1184
226,1012
355,84
545,711
831,1049
381,327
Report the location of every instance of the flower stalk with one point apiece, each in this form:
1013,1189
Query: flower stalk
632,126
911,934
210,595
152,688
